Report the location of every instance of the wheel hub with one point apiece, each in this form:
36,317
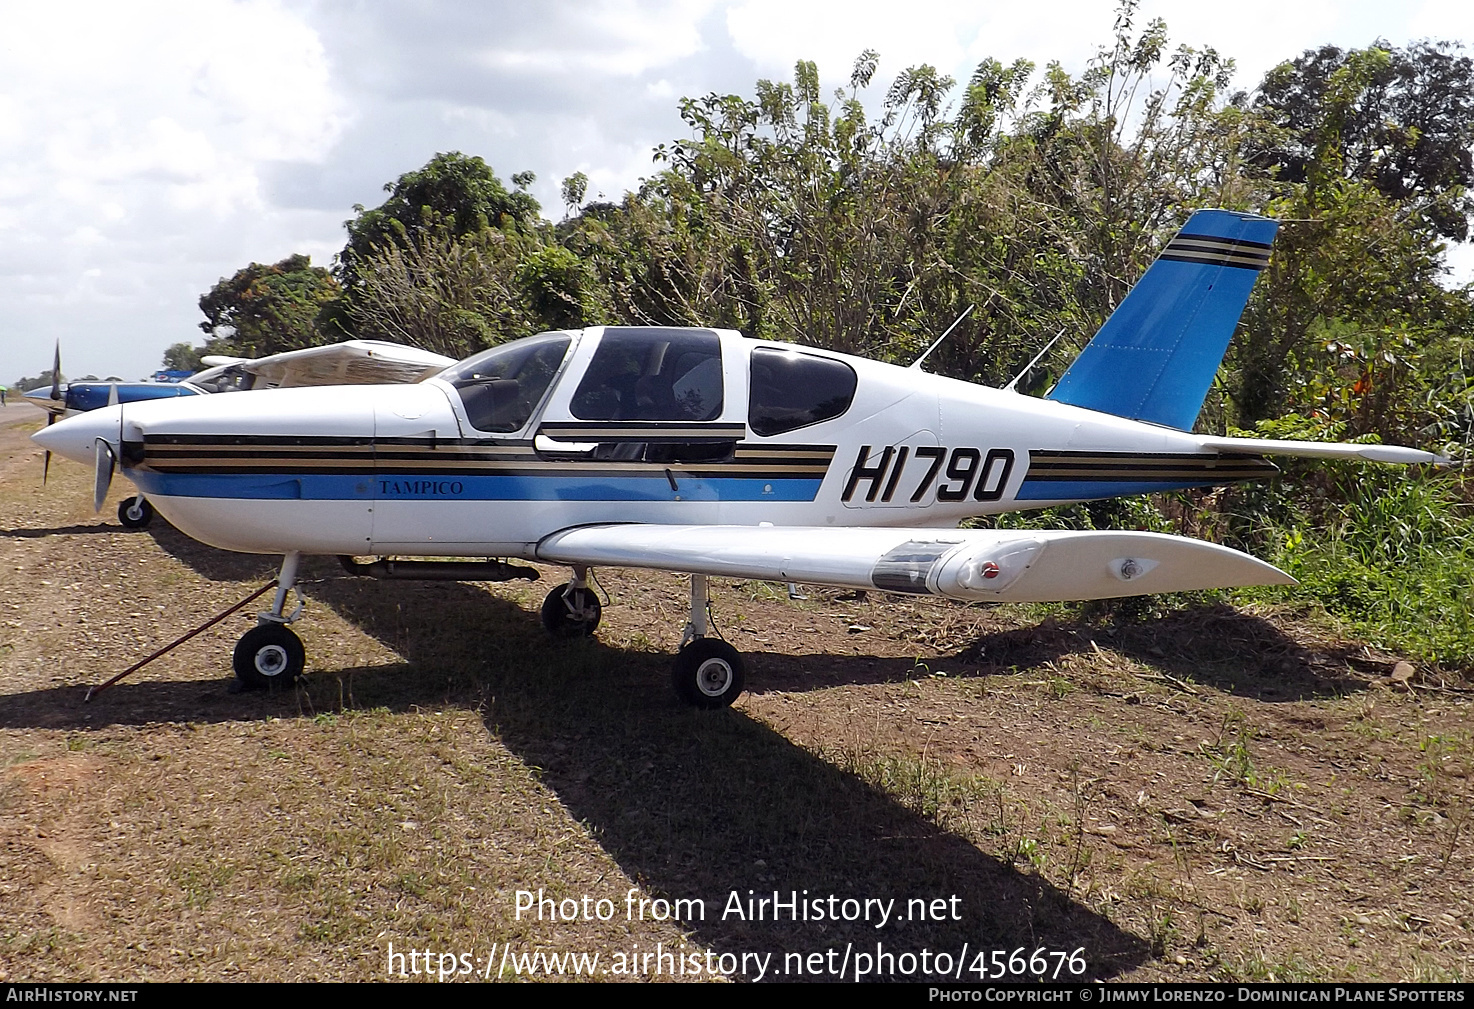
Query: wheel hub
271,660
713,677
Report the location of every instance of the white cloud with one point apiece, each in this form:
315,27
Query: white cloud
148,148
1442,19
131,128
623,38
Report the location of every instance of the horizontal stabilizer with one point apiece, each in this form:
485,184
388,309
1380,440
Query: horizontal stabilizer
1325,450
1155,357
974,564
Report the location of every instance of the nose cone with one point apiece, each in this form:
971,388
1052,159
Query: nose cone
76,437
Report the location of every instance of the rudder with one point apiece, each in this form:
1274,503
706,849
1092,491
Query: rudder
1155,357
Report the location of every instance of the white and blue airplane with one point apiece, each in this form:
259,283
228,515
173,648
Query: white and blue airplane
352,362
702,452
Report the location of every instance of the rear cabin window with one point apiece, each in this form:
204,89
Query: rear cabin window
501,387
643,373
792,390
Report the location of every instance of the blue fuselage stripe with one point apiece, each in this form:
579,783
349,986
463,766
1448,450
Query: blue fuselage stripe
1089,490
419,487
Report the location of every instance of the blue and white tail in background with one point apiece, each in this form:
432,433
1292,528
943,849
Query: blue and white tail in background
1155,357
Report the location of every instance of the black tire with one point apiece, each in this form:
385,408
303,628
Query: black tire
708,673
571,613
269,655
135,512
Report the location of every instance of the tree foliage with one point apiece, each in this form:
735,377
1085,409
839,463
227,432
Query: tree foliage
265,310
1401,120
444,292
452,193
182,357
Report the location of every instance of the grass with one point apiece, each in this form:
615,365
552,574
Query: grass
1389,552
440,755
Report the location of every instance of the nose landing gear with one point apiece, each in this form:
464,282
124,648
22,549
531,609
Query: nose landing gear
271,653
135,512
572,610
268,654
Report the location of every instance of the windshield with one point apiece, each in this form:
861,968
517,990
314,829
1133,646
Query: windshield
226,378
501,387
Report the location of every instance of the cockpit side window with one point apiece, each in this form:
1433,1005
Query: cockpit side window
501,387
792,390
232,378
641,373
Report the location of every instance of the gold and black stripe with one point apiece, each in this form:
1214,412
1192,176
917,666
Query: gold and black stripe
1138,467
1211,251
245,454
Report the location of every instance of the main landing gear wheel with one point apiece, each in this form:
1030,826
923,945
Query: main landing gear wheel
269,654
136,512
708,673
571,612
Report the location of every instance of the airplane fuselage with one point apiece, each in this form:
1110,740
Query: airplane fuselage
368,470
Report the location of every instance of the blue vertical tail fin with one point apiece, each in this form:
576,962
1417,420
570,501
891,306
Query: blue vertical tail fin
1156,356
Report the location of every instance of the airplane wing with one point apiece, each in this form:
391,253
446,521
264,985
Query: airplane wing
973,564
1323,450
353,362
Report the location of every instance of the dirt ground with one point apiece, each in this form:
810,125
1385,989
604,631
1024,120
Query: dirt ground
1210,792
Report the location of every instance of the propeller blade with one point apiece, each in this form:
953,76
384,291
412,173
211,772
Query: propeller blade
56,373
46,466
102,477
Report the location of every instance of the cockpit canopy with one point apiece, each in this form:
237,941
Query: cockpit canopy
650,373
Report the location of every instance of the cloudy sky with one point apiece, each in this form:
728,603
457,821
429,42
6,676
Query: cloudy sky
149,148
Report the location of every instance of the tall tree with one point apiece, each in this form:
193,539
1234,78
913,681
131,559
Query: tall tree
1365,154
1401,120
448,293
454,192
263,310
182,357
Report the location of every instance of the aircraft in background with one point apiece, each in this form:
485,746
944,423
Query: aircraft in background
352,362
703,452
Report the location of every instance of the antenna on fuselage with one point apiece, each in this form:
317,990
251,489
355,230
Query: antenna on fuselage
1011,386
938,342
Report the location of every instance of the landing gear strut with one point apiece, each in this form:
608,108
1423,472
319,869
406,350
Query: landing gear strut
271,653
572,610
708,672
135,512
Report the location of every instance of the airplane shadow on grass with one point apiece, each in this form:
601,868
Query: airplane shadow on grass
42,533
1212,644
209,562
691,804
703,805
